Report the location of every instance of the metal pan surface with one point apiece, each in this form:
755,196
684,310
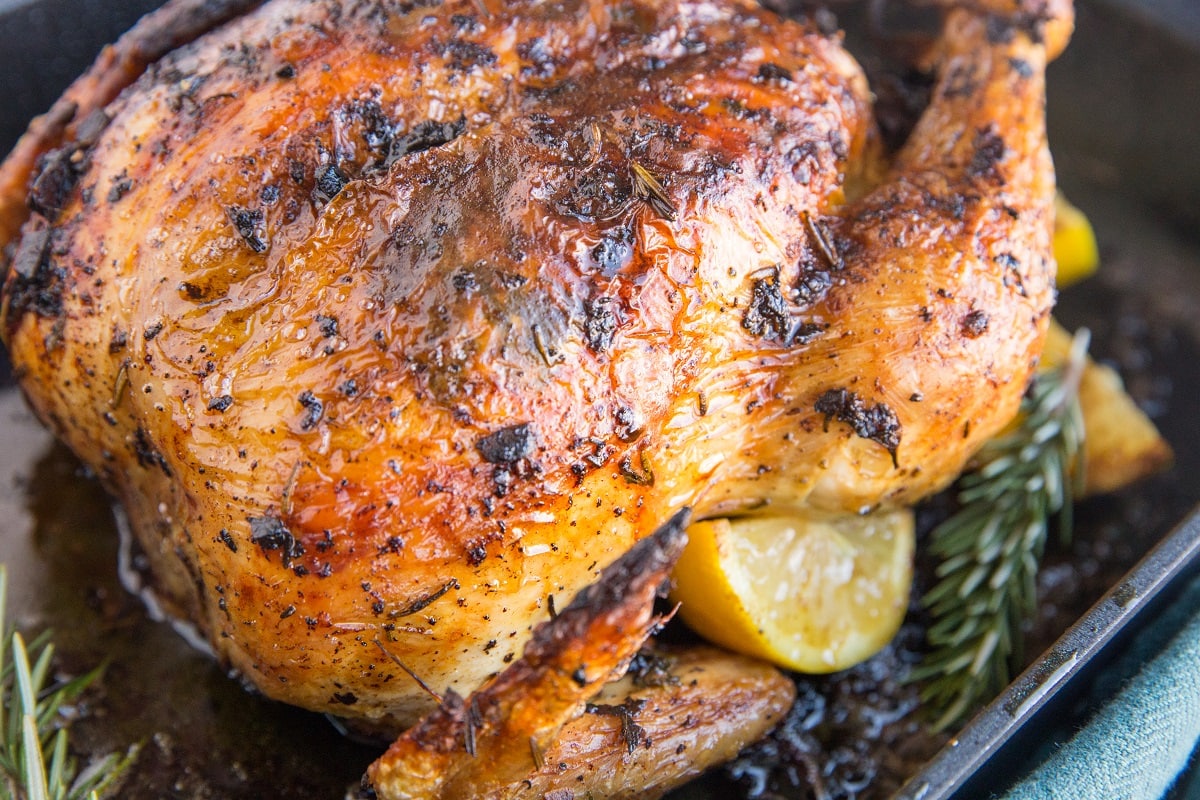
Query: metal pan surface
1122,121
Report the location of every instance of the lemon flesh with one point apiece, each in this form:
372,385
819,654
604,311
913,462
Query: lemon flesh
811,593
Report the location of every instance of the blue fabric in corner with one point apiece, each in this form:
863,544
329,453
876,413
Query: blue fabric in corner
1140,739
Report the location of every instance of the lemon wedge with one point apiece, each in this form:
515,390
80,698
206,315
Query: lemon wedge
1075,247
810,593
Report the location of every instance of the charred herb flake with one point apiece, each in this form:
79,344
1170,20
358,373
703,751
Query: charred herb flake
147,454
330,182
774,72
270,533
877,423
613,251
225,538
251,226
975,324
221,403
476,553
989,152
58,172
649,668
464,56
508,445
120,187
30,252
474,720
812,286
327,325
314,409
36,284
600,324
394,545
767,313
424,136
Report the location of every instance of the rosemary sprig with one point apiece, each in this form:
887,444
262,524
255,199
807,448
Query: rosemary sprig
990,550
34,760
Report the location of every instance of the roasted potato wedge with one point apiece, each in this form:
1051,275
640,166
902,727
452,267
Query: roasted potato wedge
1122,444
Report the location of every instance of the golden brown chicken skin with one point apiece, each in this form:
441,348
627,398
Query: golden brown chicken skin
388,323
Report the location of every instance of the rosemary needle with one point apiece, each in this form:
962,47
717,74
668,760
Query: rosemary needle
34,760
990,550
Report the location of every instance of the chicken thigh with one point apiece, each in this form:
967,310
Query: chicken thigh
392,324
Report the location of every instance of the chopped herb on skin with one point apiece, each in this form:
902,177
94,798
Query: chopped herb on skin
649,668
824,241
766,315
424,601
631,475
647,188
535,750
975,324
147,454
450,696
474,721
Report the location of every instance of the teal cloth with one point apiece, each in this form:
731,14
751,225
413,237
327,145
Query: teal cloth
1139,740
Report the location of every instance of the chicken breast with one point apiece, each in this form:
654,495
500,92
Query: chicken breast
389,323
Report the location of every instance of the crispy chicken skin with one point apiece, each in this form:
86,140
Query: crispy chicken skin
387,323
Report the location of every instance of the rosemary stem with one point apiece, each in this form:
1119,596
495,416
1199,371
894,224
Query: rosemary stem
991,549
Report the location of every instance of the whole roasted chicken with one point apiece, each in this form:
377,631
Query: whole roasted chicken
395,326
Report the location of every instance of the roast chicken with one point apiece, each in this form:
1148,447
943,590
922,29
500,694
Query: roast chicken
394,326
